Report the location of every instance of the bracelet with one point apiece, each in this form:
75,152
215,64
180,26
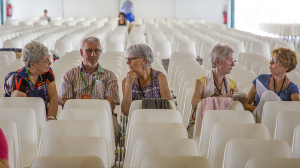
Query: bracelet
51,117
247,106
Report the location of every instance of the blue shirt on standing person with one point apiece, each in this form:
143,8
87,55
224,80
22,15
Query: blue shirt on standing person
128,8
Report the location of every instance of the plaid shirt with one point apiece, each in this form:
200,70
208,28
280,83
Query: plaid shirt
73,87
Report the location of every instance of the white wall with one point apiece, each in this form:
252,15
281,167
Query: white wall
192,9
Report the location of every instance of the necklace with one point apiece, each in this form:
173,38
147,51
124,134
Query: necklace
279,85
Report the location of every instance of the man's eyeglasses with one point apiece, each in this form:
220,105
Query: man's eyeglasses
274,60
130,59
90,51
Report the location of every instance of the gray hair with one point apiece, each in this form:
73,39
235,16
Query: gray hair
33,52
92,39
220,51
141,50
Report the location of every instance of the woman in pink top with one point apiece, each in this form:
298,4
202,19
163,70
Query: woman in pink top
3,151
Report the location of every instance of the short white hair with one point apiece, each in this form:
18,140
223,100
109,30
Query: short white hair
220,51
141,50
33,52
90,39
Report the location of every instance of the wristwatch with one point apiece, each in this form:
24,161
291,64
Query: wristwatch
51,117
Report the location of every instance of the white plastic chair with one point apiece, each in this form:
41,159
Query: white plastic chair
239,151
11,55
213,117
77,146
296,143
137,104
154,115
164,47
68,162
271,110
36,103
3,60
25,119
114,47
235,105
142,130
286,123
93,104
56,128
273,162
221,133
163,147
99,115
174,162
10,129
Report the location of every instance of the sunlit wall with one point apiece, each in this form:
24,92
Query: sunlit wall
249,13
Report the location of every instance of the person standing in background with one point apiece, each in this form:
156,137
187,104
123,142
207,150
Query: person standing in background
128,8
45,17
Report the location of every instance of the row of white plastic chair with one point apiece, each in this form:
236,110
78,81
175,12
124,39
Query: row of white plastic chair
220,135
281,29
150,126
22,40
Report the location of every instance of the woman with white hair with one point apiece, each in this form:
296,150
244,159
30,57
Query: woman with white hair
38,72
142,81
215,83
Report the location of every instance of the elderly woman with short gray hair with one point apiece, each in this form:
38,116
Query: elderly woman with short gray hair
214,83
38,72
142,81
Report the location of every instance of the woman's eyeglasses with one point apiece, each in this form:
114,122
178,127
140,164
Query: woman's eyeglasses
130,59
274,60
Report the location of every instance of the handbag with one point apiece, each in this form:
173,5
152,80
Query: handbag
32,93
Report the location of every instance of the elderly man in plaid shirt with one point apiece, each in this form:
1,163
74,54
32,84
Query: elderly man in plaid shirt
90,81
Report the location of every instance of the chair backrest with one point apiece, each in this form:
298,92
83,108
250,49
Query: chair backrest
25,119
77,146
137,104
223,132
174,162
36,103
142,130
88,104
286,123
155,115
271,110
99,115
68,161
296,143
213,117
162,147
55,128
239,151
11,151
92,104
10,129
187,106
235,105
273,162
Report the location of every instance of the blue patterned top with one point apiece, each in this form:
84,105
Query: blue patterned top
149,91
